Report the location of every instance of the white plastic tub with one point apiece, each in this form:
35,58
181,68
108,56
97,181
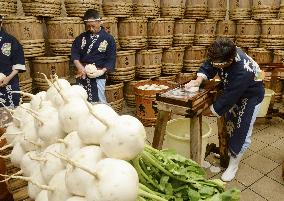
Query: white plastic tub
265,103
178,136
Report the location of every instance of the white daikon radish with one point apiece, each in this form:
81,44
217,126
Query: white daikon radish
77,180
49,164
77,198
27,164
42,196
70,114
57,188
34,190
115,180
72,143
90,68
20,115
17,154
36,100
12,131
124,139
29,140
2,76
105,112
91,130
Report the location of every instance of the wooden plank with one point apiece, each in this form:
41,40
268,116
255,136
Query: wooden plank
223,142
195,139
160,128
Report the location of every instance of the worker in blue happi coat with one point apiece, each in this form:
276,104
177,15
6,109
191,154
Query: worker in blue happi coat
12,62
243,92
95,46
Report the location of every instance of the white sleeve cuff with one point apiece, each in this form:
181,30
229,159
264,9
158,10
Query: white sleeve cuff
19,67
202,75
214,112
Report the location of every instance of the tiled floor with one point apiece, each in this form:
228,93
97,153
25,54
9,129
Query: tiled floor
260,172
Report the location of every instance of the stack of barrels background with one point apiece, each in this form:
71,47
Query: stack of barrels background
162,40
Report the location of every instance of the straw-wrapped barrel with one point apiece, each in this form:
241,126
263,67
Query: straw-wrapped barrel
184,32
45,8
261,55
172,60
193,58
132,33
217,9
146,8
248,33
8,7
226,28
265,9
110,25
118,8
272,34
205,32
62,32
173,9
77,8
125,67
240,9
29,31
114,96
196,9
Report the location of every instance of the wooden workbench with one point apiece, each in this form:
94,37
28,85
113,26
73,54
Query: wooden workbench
190,107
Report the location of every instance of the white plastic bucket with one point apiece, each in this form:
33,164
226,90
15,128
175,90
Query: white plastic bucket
178,136
265,103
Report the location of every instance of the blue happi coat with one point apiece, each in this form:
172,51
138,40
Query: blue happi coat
11,57
98,49
242,92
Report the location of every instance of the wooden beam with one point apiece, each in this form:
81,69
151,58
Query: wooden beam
160,128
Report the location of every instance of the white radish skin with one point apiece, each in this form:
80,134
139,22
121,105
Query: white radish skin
124,139
116,180
29,138
12,131
34,190
42,196
77,180
72,143
70,114
20,116
28,165
17,154
51,164
77,198
60,192
91,130
104,112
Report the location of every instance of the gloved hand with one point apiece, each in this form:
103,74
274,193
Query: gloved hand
192,86
96,73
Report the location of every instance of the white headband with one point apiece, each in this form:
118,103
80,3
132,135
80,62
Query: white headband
92,20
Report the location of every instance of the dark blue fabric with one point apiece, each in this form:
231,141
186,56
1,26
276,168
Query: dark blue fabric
85,52
238,82
11,53
90,85
238,121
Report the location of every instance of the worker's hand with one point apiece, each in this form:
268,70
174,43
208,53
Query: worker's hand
4,81
96,73
192,83
81,73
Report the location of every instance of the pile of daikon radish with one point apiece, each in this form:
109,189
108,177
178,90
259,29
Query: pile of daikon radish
71,150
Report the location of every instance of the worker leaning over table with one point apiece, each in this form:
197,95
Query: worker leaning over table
95,46
242,94
12,61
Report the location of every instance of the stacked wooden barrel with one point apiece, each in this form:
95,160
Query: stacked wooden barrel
50,66
272,34
46,8
196,9
240,9
114,96
118,8
173,9
217,9
110,25
248,33
125,67
226,28
281,10
261,55
132,33
149,63
62,32
8,7
278,56
77,8
172,60
265,9
146,8
184,32
205,32
129,94
29,31
193,58
160,32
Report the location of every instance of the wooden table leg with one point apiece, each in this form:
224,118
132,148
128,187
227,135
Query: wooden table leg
223,142
196,138
160,128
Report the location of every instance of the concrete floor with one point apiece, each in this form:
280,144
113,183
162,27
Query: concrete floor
260,173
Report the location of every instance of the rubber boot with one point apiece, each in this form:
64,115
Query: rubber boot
232,169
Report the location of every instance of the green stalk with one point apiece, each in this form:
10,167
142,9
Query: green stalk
151,196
